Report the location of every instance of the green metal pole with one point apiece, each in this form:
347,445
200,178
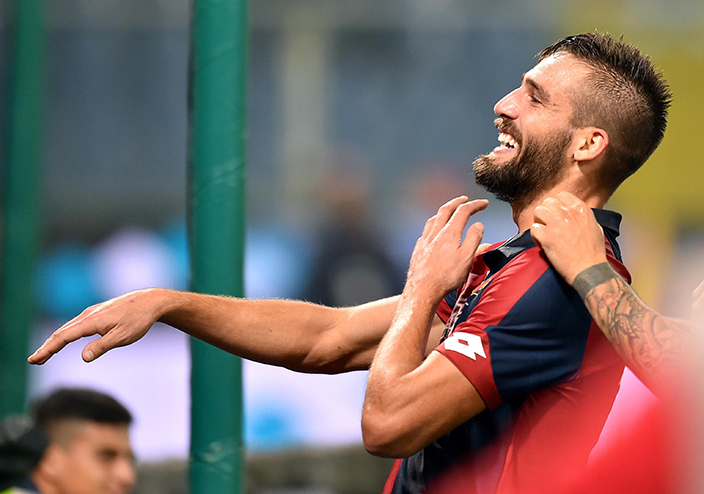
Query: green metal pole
216,228
20,205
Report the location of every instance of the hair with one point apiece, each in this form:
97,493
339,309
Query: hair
82,405
22,446
623,95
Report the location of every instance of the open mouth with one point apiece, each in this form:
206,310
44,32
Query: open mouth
507,143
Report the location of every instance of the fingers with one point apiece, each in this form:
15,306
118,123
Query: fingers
428,226
441,258
564,206
460,217
462,213
99,347
71,331
456,212
556,206
477,205
537,231
472,239
474,234
445,212
112,337
542,214
569,199
482,248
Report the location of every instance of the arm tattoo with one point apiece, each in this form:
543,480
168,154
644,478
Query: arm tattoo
649,343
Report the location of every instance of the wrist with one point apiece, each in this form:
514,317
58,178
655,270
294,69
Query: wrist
421,296
593,276
161,301
573,268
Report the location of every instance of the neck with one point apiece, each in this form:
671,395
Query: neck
523,213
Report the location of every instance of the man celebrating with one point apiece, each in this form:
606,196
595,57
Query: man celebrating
89,449
525,345
518,389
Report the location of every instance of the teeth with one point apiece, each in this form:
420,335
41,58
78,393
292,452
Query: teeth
507,140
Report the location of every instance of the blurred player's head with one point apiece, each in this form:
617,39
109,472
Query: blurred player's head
89,449
589,98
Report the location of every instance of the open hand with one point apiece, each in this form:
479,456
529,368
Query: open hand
565,228
120,322
441,259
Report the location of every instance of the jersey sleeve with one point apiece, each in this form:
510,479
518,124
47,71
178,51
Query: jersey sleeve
527,331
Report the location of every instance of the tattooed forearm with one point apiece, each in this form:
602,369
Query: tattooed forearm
650,344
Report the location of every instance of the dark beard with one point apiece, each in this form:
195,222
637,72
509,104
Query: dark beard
524,177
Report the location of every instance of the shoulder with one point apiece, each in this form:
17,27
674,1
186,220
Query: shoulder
525,267
527,279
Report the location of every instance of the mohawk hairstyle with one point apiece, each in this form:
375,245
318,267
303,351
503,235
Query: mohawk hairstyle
624,95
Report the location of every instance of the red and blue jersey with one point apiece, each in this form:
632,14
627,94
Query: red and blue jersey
525,340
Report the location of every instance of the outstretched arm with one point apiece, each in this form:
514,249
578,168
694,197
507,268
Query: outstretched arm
412,400
298,335
653,346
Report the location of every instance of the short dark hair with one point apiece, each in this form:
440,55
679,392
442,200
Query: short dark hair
625,96
78,404
22,446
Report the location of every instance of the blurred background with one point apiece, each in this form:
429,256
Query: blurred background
363,117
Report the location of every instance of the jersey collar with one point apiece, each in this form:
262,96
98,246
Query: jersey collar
496,258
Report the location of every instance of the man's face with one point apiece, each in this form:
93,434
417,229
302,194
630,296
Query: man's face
534,132
98,460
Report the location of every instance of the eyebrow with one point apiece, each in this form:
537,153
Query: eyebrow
536,87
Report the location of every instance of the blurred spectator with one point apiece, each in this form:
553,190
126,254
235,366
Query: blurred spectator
351,267
89,449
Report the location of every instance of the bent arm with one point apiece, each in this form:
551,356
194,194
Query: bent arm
411,400
653,346
656,348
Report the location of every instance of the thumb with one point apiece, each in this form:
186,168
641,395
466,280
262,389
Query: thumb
473,238
482,248
98,348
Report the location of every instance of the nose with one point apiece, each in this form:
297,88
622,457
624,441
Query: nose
507,106
126,474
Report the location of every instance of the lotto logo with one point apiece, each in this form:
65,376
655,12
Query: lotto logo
467,344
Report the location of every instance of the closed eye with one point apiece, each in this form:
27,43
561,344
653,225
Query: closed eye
533,88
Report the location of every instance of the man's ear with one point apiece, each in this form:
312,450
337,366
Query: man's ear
52,462
590,143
